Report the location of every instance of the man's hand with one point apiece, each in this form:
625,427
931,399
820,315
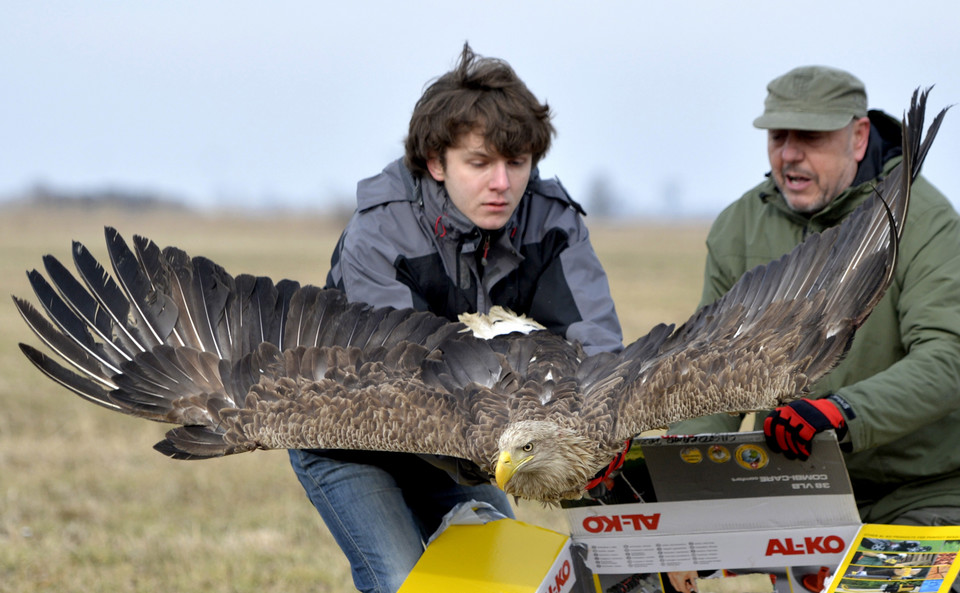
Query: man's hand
791,428
684,581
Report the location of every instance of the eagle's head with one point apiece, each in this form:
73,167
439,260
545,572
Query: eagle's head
542,460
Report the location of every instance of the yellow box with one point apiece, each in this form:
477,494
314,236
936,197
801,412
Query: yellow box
505,556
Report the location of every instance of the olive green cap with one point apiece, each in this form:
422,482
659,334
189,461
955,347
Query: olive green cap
813,98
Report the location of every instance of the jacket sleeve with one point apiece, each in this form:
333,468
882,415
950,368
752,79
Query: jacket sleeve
362,265
924,385
599,327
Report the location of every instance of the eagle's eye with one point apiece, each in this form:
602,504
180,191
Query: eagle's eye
528,447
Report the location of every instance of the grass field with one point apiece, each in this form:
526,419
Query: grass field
87,505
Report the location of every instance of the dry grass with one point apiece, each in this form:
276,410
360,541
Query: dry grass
87,505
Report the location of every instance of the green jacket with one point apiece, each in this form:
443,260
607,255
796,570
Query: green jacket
902,374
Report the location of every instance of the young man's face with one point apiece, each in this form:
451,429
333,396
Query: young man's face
813,168
482,184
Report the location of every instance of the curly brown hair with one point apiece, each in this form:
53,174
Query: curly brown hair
482,95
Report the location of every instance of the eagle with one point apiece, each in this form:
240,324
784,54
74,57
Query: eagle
241,363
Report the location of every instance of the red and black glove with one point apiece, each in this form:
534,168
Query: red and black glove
790,429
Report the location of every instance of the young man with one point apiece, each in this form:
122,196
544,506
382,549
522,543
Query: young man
462,223
895,400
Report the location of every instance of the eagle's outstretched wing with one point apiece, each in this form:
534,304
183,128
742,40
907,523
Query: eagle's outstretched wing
243,363
783,325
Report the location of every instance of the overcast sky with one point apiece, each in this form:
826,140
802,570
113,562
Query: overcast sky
292,102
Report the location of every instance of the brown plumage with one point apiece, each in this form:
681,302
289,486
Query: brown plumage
242,363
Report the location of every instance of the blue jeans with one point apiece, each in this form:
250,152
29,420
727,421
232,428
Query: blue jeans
381,515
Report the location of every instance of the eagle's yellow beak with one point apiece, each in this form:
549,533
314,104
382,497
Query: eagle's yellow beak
506,468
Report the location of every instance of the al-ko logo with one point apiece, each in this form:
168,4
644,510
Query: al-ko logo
560,578
788,546
603,524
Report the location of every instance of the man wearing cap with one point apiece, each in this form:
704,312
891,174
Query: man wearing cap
895,400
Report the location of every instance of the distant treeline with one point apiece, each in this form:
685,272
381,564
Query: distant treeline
47,197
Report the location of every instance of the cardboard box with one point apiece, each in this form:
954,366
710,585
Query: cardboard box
505,555
724,506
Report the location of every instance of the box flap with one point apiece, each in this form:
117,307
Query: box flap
504,555
738,465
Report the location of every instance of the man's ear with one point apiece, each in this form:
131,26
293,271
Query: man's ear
861,137
436,168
